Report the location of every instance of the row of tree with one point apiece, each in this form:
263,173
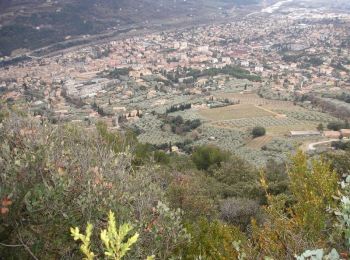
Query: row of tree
180,107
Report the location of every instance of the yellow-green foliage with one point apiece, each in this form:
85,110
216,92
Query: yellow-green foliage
214,241
277,237
85,239
304,224
313,189
115,241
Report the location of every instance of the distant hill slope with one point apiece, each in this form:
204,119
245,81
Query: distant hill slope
35,23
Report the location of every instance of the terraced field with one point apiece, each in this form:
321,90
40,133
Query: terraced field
227,139
229,127
308,115
278,130
254,99
259,142
265,121
189,114
159,137
151,131
234,112
277,116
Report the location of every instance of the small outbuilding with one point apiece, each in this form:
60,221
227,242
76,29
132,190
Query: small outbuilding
304,133
332,134
345,133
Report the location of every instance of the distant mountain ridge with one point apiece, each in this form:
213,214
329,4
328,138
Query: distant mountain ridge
32,24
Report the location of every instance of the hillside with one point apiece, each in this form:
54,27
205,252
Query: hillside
32,24
210,205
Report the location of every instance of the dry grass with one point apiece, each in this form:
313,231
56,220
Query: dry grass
234,112
254,99
285,129
259,142
277,116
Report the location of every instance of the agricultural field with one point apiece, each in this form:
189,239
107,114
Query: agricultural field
259,142
189,114
283,130
167,101
229,127
264,121
254,99
150,127
277,116
158,137
306,115
227,139
234,112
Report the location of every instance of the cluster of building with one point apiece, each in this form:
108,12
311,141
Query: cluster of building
289,54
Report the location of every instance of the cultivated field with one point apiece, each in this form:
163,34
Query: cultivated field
278,130
227,139
234,112
254,99
229,127
265,121
259,142
277,116
158,137
300,113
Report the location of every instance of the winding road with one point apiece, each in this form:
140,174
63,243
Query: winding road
311,147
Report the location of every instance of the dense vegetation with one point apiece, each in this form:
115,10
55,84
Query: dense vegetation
344,97
190,75
180,126
337,125
117,72
210,205
180,107
20,36
333,106
341,145
231,70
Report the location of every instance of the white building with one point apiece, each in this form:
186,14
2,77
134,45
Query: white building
204,48
183,45
245,63
259,69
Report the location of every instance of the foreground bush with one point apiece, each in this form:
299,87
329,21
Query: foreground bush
289,230
56,177
59,177
116,242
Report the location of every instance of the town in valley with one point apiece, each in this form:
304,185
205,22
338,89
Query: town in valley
285,69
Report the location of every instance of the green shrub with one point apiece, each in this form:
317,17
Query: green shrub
258,131
207,156
161,157
56,177
213,240
238,211
335,126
